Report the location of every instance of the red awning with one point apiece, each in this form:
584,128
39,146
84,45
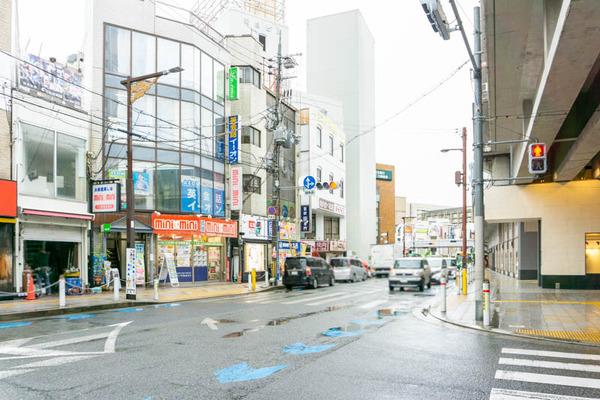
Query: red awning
88,217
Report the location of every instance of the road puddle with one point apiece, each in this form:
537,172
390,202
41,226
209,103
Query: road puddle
279,321
388,312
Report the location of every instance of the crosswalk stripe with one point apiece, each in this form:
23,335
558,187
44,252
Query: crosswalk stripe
507,394
328,300
373,304
548,379
549,364
313,298
556,354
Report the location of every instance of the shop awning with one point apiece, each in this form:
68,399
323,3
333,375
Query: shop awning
120,225
43,213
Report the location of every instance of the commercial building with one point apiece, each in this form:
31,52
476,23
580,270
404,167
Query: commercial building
340,64
386,203
541,76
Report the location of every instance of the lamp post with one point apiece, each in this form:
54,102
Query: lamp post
464,195
136,88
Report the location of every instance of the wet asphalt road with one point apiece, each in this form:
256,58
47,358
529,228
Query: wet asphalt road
354,341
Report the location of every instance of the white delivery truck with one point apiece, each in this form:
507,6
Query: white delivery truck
382,258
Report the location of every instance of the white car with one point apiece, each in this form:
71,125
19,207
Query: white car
410,272
348,269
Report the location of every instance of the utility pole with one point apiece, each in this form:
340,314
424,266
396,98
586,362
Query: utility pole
464,204
276,156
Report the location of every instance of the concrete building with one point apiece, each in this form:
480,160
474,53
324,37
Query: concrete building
386,203
340,64
323,156
542,76
400,209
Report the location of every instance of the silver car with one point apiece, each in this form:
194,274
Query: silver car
410,272
348,269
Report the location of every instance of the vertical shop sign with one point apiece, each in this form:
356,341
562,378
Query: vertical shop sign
236,188
220,139
234,139
219,199
190,188
130,289
234,83
207,197
305,219
139,264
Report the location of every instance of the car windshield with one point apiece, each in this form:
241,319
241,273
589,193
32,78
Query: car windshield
433,263
339,262
295,263
407,264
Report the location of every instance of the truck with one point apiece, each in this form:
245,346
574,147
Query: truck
382,258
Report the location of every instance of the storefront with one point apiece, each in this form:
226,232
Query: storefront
256,235
289,246
195,244
8,214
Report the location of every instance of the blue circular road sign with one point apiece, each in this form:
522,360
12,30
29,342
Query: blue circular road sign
309,182
271,210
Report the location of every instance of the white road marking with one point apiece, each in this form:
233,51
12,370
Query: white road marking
211,323
373,304
7,374
548,379
556,354
329,300
549,364
311,298
506,394
53,362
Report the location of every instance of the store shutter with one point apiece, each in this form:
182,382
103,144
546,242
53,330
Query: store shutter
52,233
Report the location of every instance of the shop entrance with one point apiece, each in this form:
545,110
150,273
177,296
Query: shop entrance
60,257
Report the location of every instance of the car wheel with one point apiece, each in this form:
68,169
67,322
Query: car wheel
429,284
421,287
288,287
354,278
391,288
314,283
331,281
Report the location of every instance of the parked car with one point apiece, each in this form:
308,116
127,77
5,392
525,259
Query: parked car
410,272
438,267
348,269
307,271
452,269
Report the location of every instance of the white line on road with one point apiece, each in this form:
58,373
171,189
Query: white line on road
328,300
373,304
313,298
548,379
53,362
549,364
6,374
556,354
506,394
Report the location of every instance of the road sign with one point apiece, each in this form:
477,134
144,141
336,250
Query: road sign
312,191
309,182
270,217
271,210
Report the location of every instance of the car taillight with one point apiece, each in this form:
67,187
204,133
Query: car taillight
307,271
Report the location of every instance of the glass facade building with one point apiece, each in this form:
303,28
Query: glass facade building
178,125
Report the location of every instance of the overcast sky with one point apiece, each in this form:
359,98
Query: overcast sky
410,60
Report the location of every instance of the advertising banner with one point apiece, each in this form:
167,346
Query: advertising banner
105,198
234,139
220,139
234,83
255,256
130,289
139,264
141,183
305,219
236,188
190,188
219,200
207,197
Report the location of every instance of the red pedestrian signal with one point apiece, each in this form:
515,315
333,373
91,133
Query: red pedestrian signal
538,150
538,162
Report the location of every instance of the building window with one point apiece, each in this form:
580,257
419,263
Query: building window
249,75
332,228
341,189
292,168
319,137
331,145
304,116
341,152
263,41
54,163
252,184
330,180
319,174
250,135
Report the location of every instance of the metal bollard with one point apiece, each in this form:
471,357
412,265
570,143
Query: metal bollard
253,279
464,281
443,284
156,289
116,286
486,303
62,299
458,277
267,276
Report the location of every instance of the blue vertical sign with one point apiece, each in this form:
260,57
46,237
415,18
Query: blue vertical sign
219,202
220,139
190,188
234,139
305,219
207,197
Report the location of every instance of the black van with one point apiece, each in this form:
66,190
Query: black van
307,271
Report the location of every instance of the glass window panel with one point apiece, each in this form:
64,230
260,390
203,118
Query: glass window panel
207,75
143,54
220,138
219,109
190,127
38,160
190,62
206,102
190,159
207,175
168,57
190,95
167,123
167,156
70,167
143,120
219,82
207,164
117,47
113,81
115,150
167,185
168,91
207,131
219,167
143,153
116,112
143,185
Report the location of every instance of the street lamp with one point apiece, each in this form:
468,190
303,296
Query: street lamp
464,212
136,88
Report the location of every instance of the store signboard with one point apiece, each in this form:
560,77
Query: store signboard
305,218
322,246
236,188
218,227
130,289
331,207
383,175
283,245
105,198
287,231
337,245
8,200
175,224
234,83
190,186
234,139
254,227
207,197
219,192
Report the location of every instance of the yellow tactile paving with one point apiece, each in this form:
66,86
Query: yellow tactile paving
581,336
597,304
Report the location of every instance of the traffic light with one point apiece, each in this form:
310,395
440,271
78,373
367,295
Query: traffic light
257,227
326,185
538,162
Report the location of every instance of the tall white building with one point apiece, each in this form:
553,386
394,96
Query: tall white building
340,64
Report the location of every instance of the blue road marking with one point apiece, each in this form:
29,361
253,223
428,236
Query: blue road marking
167,305
363,322
241,372
338,333
127,310
14,325
72,317
301,348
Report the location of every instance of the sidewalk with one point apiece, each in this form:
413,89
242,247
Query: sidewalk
523,308
11,310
